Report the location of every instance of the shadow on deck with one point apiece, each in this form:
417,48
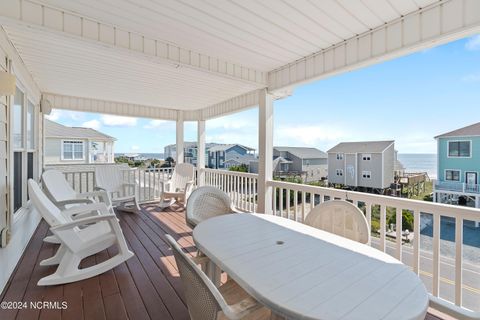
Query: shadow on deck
146,286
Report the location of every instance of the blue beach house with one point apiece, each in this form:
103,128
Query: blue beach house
458,156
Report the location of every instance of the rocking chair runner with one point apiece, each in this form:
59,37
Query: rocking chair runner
97,233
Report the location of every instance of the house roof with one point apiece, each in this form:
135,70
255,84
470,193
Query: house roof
242,159
471,130
57,130
303,152
361,146
224,147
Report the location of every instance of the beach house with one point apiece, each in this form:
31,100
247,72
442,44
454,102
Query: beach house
458,157
74,145
310,164
190,151
223,156
362,165
195,61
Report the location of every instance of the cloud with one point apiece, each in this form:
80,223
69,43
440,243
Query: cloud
57,115
475,77
135,148
473,43
118,121
308,135
154,124
93,124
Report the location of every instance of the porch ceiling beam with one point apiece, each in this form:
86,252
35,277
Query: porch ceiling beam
55,101
435,24
37,15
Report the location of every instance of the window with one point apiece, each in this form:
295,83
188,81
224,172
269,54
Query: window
366,157
24,135
72,150
339,156
366,174
17,127
452,175
459,149
339,172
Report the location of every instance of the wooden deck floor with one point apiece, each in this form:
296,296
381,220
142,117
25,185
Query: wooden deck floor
146,286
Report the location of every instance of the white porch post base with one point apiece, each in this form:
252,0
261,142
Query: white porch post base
201,152
265,151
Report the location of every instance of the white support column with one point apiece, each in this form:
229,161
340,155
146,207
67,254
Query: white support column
201,152
265,151
179,137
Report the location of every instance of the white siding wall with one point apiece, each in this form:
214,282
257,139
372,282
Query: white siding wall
53,152
24,223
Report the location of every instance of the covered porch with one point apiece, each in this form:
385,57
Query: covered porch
197,65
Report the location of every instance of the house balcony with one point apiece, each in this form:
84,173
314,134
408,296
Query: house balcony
146,286
458,187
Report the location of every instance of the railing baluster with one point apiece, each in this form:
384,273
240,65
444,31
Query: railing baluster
458,260
398,226
436,255
295,203
274,204
368,213
304,200
416,241
287,203
383,226
280,202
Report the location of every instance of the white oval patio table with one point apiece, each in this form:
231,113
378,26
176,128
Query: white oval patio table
304,273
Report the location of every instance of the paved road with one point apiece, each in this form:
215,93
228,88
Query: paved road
471,274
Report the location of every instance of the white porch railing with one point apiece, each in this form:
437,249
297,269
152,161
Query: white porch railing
146,180
294,201
240,186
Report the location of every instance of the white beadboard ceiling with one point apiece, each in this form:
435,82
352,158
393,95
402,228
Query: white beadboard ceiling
258,35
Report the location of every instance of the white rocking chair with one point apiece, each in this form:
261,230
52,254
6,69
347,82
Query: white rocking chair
78,238
179,186
122,195
64,196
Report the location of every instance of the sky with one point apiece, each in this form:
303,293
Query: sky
410,100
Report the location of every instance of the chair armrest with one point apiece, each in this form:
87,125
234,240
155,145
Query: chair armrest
235,210
241,309
98,193
73,201
100,207
84,221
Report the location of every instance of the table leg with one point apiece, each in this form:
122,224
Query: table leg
214,273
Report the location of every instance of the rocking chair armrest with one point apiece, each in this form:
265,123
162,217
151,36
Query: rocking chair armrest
99,193
100,207
74,201
165,185
84,221
189,186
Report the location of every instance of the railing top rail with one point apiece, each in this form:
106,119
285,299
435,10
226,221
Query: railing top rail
231,173
402,203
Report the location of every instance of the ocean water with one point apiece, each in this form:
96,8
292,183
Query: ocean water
144,155
420,162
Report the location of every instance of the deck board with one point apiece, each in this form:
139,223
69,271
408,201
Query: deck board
147,286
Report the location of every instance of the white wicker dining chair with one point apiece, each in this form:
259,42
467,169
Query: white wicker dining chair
207,202
342,218
207,302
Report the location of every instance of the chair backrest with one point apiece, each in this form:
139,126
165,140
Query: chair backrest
342,218
109,177
206,202
56,186
45,207
203,299
182,173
